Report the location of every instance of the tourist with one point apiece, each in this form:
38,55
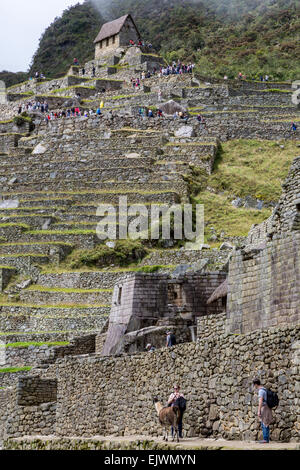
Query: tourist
201,120
150,113
98,112
171,339
176,395
94,71
83,71
159,113
150,348
264,413
293,127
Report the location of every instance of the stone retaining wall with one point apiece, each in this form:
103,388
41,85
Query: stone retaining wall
215,375
263,286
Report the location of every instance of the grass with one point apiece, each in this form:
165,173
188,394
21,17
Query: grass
56,306
13,370
219,213
26,344
244,167
253,167
37,288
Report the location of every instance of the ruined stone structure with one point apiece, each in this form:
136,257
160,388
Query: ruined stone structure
142,301
85,330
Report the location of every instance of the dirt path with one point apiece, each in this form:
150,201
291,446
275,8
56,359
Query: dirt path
143,442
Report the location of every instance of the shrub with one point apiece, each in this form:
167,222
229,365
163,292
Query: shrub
124,253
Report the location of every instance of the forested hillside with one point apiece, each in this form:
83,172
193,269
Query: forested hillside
221,36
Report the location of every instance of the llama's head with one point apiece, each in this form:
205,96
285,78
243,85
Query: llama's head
155,400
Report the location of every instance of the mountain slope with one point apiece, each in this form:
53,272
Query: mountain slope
228,36
69,36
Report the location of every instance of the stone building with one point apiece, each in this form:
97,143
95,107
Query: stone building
145,306
115,34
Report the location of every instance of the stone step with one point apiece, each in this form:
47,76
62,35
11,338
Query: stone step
73,318
70,165
12,231
51,157
55,251
96,189
85,239
72,186
45,295
128,174
104,279
24,263
31,220
134,196
24,211
35,336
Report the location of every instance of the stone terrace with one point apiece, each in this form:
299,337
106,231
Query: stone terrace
54,178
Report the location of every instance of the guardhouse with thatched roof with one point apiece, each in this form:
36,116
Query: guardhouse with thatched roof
117,33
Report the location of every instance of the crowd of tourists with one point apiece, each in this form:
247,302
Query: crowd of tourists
176,69
41,106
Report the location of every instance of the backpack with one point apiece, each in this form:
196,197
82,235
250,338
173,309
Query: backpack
173,340
181,403
272,398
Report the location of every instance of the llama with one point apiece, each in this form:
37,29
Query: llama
168,416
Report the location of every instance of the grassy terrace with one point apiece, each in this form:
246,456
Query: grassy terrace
13,370
37,288
244,167
27,344
56,306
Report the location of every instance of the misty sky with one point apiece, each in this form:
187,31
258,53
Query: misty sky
22,22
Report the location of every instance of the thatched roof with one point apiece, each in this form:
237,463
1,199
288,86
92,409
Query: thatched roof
112,28
221,291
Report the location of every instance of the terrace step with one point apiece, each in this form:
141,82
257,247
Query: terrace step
78,238
31,220
102,279
24,263
55,251
96,198
97,162
42,295
59,156
72,318
29,178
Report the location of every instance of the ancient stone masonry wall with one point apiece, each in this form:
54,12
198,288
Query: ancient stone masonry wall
32,391
215,375
143,300
264,286
286,215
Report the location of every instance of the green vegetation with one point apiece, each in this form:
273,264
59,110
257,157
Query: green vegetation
13,370
220,36
69,36
124,253
37,288
11,78
22,119
26,344
242,168
253,167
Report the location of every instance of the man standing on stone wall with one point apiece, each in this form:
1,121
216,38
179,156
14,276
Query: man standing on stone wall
264,413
